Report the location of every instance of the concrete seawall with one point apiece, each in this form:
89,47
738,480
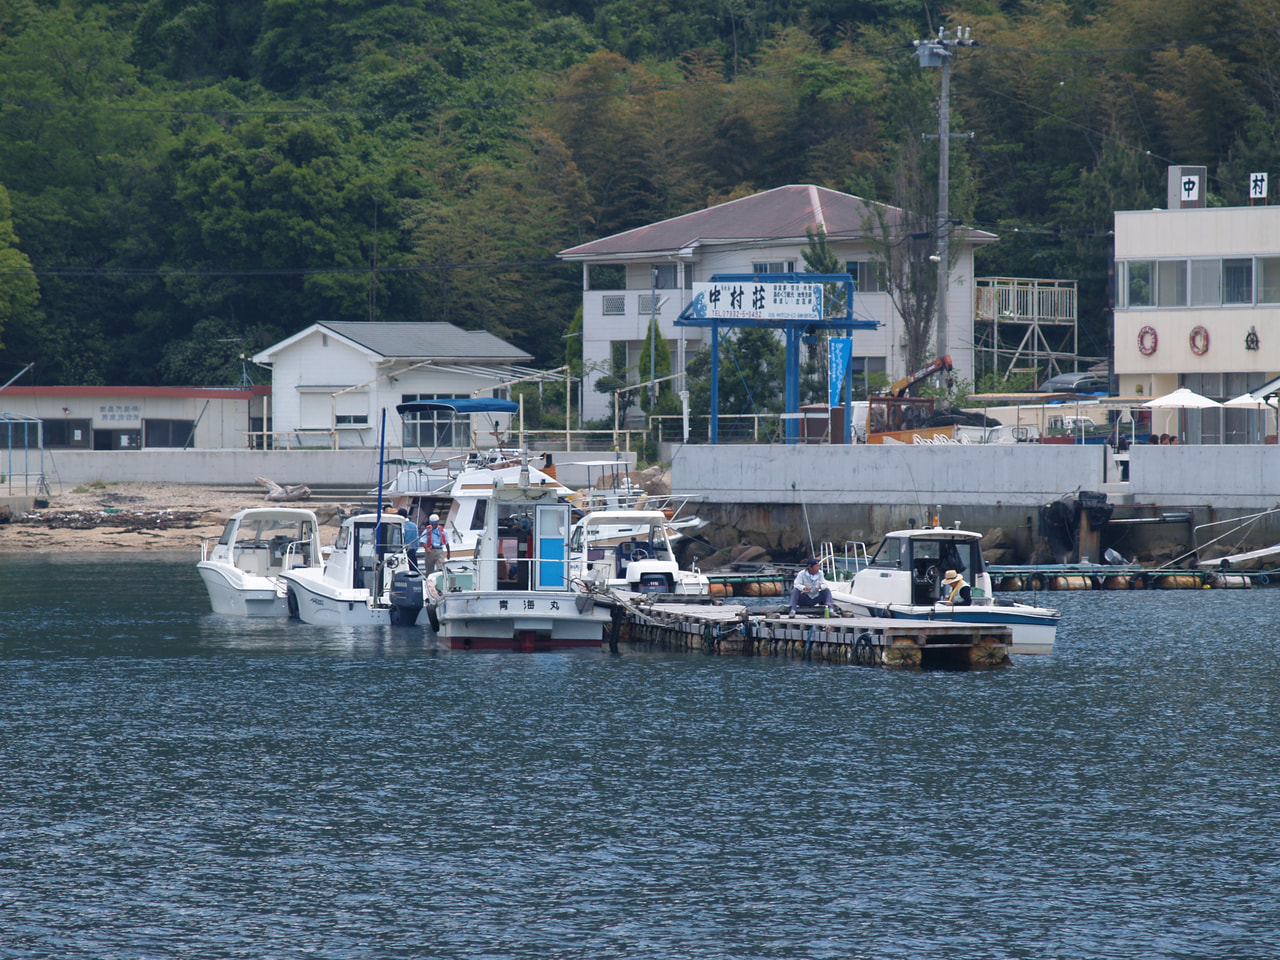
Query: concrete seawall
781,496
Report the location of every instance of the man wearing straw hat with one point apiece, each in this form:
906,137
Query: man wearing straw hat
960,595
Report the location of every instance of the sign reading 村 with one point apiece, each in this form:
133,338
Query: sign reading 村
742,300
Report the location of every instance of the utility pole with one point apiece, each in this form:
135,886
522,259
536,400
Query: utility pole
937,53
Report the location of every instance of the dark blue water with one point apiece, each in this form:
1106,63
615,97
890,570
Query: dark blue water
174,784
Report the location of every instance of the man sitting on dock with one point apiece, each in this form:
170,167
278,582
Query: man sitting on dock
810,587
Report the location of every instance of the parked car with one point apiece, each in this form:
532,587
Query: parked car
1075,383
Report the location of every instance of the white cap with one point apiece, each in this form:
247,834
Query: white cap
435,518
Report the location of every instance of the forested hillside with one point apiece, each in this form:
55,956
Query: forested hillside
184,181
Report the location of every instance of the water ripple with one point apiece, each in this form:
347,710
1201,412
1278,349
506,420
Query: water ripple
177,785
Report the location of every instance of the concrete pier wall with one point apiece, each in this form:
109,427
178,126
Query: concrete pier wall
67,468
1237,476
785,497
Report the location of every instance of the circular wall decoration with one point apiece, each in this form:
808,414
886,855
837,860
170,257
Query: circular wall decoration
1199,341
1147,341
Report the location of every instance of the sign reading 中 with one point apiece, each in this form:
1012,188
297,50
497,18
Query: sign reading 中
744,300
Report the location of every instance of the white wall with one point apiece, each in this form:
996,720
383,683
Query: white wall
1014,474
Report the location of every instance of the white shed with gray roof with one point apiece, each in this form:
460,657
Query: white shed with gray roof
330,382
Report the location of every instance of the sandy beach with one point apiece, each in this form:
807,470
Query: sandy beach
137,516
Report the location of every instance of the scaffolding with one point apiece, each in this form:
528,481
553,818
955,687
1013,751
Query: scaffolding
1020,325
22,467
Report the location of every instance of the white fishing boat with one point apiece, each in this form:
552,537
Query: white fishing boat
904,579
630,550
516,592
365,580
242,570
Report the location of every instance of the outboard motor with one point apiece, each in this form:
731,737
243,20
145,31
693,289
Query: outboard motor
406,598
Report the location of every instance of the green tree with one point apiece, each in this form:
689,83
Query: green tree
752,373
655,363
19,291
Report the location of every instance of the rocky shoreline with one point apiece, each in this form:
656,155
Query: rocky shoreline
105,517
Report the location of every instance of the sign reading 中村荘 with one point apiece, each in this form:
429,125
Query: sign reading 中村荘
741,300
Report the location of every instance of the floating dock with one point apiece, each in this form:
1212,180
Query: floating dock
728,629
1093,576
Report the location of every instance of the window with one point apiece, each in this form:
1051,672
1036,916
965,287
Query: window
168,433
868,275
1269,279
435,428
75,434
1204,283
613,305
663,276
774,267
1171,276
20,434
1140,283
1237,281
863,369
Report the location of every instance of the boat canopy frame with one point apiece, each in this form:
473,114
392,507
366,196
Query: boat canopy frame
793,331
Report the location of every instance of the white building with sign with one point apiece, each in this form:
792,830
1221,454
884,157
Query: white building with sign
656,271
1198,304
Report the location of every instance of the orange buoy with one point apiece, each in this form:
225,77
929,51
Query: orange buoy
1070,583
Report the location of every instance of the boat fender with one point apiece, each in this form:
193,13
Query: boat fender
433,618
291,602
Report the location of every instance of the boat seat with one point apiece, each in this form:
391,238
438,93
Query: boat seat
253,560
628,551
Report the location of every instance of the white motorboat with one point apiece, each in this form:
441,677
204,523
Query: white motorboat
630,550
366,579
904,579
516,592
242,571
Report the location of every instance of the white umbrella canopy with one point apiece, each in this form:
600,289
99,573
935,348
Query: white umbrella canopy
1184,399
1248,401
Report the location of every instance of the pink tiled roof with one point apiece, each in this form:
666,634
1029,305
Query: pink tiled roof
779,214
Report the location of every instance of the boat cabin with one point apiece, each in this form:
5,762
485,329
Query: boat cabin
523,541
361,541
262,542
909,565
618,546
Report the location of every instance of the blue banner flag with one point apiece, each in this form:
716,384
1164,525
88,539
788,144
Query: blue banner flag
839,349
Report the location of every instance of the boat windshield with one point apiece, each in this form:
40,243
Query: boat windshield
905,553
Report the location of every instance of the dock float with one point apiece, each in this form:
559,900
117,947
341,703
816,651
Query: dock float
1088,576
734,630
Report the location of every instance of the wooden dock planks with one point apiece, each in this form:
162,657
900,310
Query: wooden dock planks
733,630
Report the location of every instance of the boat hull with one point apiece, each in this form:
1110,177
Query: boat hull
232,593
519,620
325,607
1034,629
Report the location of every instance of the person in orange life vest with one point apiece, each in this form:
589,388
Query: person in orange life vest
960,595
434,542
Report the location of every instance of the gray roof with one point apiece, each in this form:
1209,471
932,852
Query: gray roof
780,214
428,341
